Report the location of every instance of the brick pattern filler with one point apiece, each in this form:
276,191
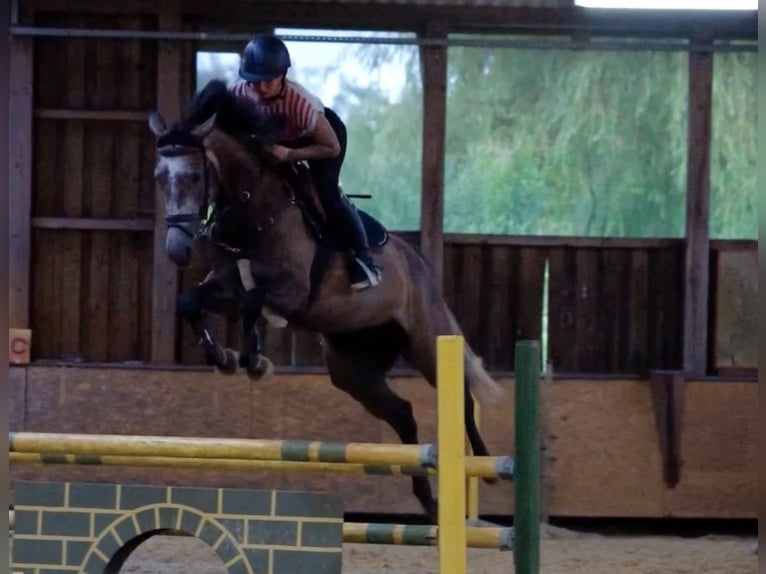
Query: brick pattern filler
76,528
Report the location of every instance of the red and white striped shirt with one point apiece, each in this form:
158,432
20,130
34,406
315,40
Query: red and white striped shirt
299,108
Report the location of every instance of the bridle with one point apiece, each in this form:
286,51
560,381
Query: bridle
179,220
204,218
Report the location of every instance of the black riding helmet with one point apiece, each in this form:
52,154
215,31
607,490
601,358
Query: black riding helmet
265,57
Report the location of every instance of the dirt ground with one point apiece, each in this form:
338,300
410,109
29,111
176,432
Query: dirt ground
562,552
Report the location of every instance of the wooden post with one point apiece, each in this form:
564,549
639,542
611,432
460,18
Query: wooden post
667,388
20,180
165,278
433,64
697,273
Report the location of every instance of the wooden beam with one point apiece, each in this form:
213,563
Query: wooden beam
734,244
697,272
488,18
165,278
249,15
20,179
433,66
122,7
668,391
102,115
564,241
580,242
93,224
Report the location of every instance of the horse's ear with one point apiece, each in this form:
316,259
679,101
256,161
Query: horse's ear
204,128
157,124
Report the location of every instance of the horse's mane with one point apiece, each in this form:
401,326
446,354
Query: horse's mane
237,117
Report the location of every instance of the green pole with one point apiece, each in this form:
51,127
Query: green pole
526,546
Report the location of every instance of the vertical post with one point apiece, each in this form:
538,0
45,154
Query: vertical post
526,519
165,275
472,482
697,272
433,69
667,388
20,180
451,455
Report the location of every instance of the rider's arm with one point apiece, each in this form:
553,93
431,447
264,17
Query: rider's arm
325,144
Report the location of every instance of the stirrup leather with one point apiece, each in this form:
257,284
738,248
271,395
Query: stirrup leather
372,276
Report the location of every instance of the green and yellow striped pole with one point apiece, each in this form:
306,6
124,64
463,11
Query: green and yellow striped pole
226,448
497,538
526,521
499,466
451,455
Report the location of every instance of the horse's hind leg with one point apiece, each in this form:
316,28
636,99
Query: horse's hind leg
422,354
365,381
478,446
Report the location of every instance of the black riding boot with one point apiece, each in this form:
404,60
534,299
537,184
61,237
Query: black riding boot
364,272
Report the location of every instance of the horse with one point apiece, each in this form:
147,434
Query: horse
268,255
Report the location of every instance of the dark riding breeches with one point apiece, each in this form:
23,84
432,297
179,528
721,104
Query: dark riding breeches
341,213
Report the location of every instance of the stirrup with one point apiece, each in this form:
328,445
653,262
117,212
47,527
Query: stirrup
371,276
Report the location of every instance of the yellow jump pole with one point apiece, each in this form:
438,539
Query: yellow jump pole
451,455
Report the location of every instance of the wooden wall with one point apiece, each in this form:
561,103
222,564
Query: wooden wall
91,287
614,306
734,291
93,203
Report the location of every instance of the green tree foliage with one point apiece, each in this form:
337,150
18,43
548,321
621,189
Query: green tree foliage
733,157
384,140
589,143
565,143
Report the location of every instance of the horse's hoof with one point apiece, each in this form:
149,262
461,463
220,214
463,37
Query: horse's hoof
228,362
263,368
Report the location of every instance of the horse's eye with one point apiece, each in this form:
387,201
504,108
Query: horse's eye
195,177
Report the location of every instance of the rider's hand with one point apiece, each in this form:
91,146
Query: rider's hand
280,152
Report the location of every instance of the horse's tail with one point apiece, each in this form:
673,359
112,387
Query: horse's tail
486,389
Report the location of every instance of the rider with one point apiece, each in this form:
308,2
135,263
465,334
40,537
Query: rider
311,132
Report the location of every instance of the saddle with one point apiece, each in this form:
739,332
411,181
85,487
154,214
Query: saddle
302,185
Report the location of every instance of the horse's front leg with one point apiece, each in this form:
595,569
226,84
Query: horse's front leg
250,358
190,306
